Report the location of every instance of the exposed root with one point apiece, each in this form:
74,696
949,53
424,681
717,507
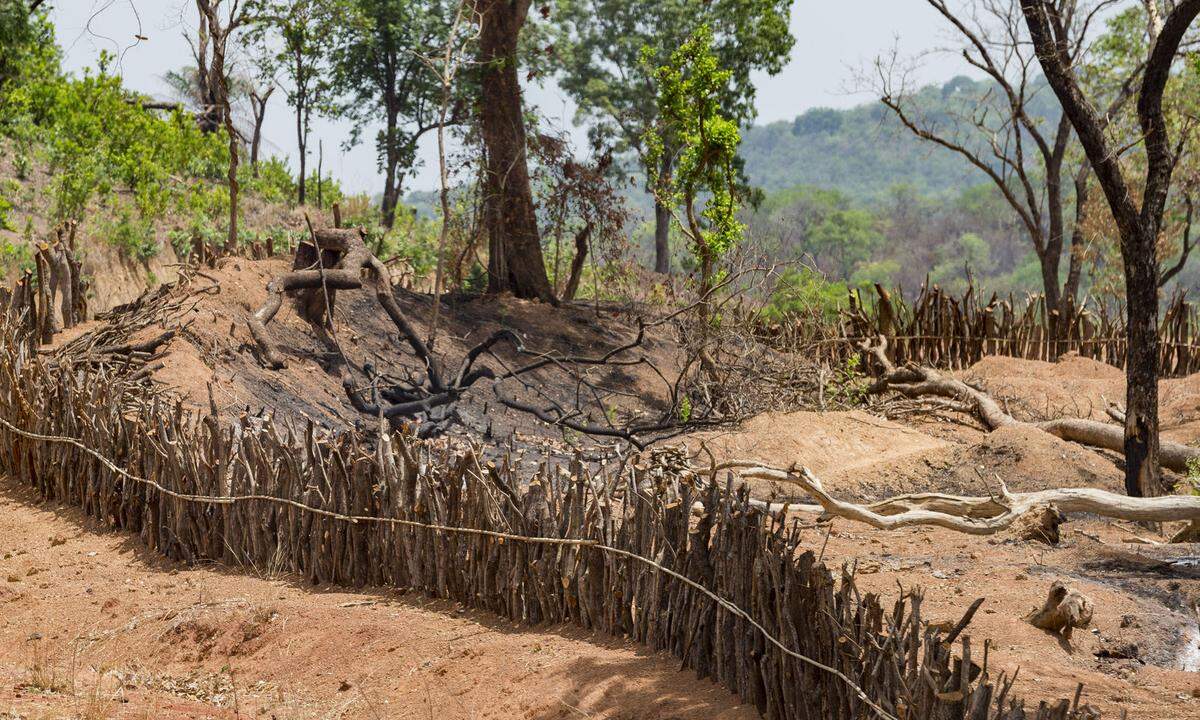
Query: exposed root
340,260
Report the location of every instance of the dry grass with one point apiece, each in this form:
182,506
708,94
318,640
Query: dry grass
43,673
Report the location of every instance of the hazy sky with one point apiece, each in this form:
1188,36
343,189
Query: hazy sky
833,39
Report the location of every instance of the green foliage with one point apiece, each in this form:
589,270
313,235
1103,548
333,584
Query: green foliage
96,142
476,281
690,88
821,226
850,383
6,206
15,256
1191,481
685,409
611,49
969,253
325,188
804,293
817,121
132,234
376,63
863,151
274,183
415,238
28,53
905,238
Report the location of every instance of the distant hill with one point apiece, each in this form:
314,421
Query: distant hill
865,150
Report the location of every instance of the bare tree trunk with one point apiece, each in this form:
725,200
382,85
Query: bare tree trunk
1142,474
515,262
390,191
320,173
662,225
218,82
258,104
1075,260
581,251
1138,223
302,147
231,242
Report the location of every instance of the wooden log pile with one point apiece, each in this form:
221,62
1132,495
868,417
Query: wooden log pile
732,592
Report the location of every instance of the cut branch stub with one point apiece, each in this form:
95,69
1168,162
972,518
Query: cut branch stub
1064,610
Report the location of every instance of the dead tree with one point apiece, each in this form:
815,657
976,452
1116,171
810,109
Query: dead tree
977,515
993,133
1139,222
339,260
1064,610
915,381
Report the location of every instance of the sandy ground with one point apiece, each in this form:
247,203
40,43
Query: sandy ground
92,626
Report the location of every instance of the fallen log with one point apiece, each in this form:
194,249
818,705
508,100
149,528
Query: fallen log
969,514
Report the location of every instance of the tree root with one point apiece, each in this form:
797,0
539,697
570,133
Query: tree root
340,260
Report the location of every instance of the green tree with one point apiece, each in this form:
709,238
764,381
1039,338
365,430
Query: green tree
689,110
28,52
379,64
604,70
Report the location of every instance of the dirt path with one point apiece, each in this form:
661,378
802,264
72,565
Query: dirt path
93,626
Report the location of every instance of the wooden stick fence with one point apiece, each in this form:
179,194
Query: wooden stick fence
730,592
940,330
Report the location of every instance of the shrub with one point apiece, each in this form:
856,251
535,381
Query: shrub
274,183
805,292
134,236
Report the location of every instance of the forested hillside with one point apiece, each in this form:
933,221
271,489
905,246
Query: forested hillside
865,151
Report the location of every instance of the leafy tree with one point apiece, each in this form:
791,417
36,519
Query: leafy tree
605,70
689,110
377,60
817,121
28,52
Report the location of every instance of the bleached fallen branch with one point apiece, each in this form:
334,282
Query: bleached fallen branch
967,514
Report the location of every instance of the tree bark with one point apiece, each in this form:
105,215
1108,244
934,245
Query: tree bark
1142,474
258,104
577,263
662,225
1138,224
301,145
390,191
515,262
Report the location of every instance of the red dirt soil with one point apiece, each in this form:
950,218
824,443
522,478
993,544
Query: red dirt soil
93,626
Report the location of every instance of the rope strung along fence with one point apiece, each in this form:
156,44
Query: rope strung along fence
730,592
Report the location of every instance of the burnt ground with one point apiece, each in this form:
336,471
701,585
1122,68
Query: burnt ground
217,349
